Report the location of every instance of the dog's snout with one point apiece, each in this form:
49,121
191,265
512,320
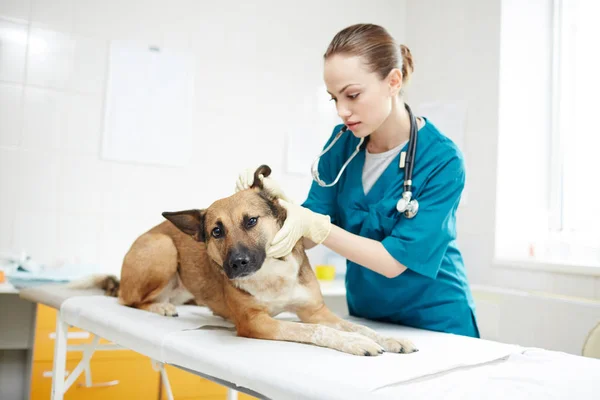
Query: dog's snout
240,261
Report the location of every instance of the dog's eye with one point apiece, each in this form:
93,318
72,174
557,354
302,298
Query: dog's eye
217,232
251,222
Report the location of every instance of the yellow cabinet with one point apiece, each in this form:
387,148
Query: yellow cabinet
111,379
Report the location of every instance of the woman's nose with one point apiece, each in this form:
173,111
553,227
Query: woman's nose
343,112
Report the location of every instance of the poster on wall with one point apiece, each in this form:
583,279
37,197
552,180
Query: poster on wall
148,104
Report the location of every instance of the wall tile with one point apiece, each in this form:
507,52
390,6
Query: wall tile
36,233
90,64
9,179
7,216
51,58
13,48
16,10
9,173
80,238
84,182
11,114
83,124
120,233
53,14
45,118
37,181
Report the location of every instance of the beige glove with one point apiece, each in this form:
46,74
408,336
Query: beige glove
246,178
300,222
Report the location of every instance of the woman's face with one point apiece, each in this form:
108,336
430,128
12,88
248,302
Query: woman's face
363,100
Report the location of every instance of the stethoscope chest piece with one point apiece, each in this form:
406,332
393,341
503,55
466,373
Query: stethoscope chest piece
407,206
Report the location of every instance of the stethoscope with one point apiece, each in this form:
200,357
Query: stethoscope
406,204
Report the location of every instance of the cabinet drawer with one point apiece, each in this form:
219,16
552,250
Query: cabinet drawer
127,379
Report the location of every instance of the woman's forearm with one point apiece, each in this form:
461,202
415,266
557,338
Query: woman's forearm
363,251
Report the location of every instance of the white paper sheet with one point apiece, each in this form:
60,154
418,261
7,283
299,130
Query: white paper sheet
149,102
532,375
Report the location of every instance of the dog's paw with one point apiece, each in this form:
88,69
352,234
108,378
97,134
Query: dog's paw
357,344
166,309
393,345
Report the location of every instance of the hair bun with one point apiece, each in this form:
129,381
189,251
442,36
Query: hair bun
407,63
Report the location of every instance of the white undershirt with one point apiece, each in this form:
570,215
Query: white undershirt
376,163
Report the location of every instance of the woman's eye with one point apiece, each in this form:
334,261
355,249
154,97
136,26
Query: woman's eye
353,96
251,222
217,232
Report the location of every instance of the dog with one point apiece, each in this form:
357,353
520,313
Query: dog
216,257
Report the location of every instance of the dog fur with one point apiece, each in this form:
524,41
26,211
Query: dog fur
216,257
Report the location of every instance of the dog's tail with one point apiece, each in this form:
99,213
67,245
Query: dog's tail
109,283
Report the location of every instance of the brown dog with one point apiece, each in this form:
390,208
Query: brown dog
216,257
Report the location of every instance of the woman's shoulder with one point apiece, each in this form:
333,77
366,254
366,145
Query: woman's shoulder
440,146
442,155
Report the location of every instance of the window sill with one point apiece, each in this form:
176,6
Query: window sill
547,266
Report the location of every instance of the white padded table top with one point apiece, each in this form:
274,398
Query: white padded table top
279,370
53,295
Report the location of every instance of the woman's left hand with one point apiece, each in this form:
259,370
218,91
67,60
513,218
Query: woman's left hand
246,178
300,222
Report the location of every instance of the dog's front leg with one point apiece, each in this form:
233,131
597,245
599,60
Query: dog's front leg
324,316
263,326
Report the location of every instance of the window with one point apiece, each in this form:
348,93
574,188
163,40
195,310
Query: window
548,193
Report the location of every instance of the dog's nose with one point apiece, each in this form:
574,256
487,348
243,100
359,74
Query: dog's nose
240,262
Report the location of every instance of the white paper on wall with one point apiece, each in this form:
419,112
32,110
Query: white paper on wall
149,102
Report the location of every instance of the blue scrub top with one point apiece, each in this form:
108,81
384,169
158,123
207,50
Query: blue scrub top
433,293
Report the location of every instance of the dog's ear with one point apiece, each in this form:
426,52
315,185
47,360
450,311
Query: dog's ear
190,222
263,170
276,210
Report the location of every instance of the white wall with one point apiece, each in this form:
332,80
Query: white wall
257,65
456,48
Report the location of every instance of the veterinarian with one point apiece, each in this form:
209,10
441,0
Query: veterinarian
399,269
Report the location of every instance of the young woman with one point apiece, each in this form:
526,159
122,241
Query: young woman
402,270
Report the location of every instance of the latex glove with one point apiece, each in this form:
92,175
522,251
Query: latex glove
300,222
246,178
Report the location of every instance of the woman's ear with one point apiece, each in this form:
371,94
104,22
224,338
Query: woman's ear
395,81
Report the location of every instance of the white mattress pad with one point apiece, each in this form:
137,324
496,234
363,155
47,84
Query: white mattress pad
199,341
